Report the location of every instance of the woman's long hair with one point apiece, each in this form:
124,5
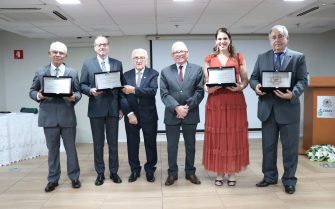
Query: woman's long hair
231,48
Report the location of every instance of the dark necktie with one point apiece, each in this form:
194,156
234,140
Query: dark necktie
278,61
103,66
57,72
138,80
180,75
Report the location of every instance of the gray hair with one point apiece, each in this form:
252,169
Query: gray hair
140,50
54,45
180,45
280,28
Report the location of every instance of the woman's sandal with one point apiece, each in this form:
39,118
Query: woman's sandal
231,182
218,182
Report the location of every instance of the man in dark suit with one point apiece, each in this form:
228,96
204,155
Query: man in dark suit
181,90
139,108
103,109
57,117
280,111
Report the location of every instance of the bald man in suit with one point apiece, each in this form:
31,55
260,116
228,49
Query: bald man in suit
103,109
181,90
280,111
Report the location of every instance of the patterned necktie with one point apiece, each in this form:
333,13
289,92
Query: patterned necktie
138,80
103,66
180,75
57,72
278,61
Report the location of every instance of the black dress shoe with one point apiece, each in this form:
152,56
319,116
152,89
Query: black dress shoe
264,183
193,178
150,177
50,187
170,180
116,178
76,184
100,179
133,176
289,189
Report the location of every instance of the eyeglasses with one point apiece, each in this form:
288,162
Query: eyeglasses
102,45
277,37
179,52
138,58
57,52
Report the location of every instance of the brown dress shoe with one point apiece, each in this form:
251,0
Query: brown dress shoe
193,178
170,180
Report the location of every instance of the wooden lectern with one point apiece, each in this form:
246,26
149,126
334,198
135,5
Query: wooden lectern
318,130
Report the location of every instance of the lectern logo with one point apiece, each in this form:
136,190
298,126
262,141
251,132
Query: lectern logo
327,103
325,107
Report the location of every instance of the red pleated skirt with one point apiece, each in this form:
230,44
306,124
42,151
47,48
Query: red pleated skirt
226,147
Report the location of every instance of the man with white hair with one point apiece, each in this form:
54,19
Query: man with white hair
181,90
139,108
57,116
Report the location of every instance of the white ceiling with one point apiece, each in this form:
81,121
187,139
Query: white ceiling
35,18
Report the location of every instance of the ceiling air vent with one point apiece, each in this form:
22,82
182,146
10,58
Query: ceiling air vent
308,11
35,14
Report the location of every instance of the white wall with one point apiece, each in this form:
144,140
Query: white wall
319,52
16,75
2,77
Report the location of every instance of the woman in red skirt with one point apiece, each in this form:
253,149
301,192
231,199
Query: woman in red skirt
226,148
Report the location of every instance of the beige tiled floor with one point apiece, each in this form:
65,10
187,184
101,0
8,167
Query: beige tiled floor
22,186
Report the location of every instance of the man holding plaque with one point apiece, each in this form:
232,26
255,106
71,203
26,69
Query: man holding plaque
103,107
278,110
182,90
139,107
57,115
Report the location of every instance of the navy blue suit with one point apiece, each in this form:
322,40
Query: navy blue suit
143,105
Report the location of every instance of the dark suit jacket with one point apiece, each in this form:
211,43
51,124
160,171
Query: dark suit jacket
106,104
191,92
285,111
55,111
143,102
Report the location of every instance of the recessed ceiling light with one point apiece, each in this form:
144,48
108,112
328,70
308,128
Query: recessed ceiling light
68,1
182,0
294,0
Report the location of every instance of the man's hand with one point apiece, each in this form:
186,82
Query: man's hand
132,119
70,98
40,95
288,95
120,114
127,89
94,92
182,111
258,90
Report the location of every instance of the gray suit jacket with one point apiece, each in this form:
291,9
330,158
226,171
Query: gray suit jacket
191,92
55,111
285,111
106,104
